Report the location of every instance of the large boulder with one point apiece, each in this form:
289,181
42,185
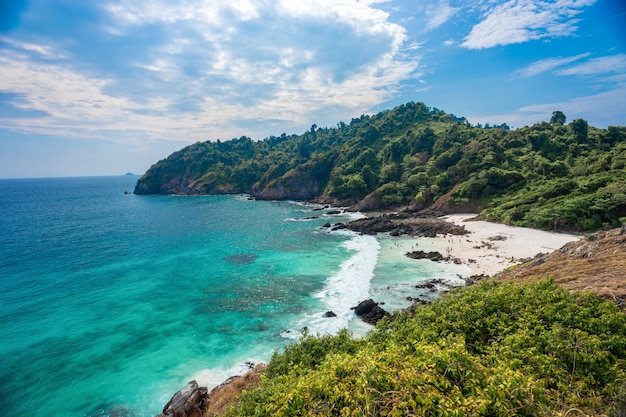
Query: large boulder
370,312
190,401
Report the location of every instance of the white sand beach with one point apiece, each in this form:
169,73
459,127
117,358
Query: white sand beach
491,247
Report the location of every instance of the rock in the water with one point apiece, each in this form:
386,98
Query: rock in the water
370,312
339,226
329,314
190,401
364,307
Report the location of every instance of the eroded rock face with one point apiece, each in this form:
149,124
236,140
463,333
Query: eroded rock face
291,187
190,401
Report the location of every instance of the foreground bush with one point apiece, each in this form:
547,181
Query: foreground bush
492,349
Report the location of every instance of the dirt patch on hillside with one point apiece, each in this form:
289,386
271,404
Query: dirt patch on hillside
596,263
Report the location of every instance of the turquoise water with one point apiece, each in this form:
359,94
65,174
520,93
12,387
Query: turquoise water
110,302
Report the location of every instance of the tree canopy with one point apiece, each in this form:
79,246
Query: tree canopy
548,175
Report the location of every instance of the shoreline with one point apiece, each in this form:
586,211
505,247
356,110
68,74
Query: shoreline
489,248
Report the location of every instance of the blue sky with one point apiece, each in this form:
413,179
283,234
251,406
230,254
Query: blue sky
98,87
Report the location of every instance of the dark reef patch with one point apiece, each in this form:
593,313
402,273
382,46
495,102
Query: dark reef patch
241,258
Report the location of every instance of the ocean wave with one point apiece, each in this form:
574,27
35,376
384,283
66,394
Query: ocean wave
213,377
344,289
301,219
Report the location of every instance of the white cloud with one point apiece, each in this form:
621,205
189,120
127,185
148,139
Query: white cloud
439,14
544,65
229,61
601,65
44,51
518,21
600,110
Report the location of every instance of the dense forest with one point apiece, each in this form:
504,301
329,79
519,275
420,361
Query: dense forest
552,175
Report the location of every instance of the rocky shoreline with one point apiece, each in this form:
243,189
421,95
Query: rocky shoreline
486,239
404,225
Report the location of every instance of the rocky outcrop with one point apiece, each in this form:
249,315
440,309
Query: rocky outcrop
448,205
226,394
190,401
370,312
287,189
371,202
174,185
181,185
433,256
405,224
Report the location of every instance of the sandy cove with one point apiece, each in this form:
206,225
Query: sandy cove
490,248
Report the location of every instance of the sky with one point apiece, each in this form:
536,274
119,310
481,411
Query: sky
105,87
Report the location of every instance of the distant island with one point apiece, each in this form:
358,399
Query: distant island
130,174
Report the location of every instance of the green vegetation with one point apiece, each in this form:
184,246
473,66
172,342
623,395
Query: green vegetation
549,175
491,350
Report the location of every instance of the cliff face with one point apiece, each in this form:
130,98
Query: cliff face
290,188
175,185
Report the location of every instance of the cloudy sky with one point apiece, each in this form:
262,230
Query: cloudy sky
98,87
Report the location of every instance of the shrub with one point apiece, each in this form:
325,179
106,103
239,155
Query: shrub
491,349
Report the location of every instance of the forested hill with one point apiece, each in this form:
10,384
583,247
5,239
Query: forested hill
552,175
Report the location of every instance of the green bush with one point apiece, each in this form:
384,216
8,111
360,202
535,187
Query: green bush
489,350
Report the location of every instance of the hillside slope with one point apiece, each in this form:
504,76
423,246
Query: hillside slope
596,263
549,175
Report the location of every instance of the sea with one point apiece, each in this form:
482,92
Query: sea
110,302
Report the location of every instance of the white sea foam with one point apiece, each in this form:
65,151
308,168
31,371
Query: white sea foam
301,219
344,289
213,377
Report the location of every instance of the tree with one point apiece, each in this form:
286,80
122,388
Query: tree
558,118
580,128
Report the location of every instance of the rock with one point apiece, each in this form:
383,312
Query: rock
329,314
474,279
333,212
622,231
420,254
294,185
339,226
327,224
190,401
370,312
364,307
372,225
405,224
